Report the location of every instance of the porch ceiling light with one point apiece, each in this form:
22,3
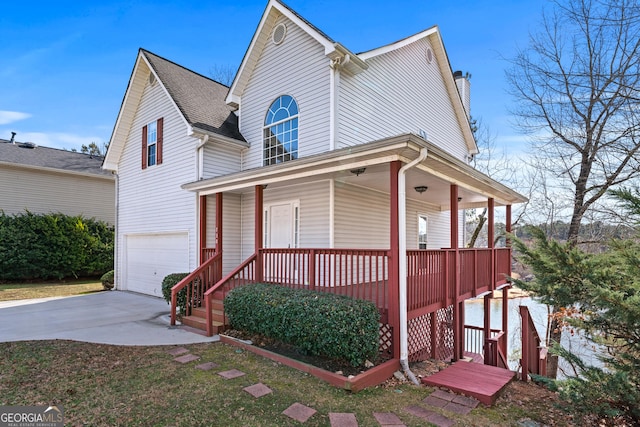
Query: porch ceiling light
421,188
459,199
358,171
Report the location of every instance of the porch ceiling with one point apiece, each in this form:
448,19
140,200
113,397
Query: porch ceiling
437,172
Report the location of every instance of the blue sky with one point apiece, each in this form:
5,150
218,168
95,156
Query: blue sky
65,65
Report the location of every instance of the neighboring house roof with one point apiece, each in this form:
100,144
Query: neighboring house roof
29,155
199,100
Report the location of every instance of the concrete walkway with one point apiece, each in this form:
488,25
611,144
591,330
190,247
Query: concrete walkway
116,317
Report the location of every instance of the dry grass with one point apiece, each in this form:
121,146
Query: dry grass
144,386
18,291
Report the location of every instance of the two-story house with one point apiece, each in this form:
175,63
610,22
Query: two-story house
319,167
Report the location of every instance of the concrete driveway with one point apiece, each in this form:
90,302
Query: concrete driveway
116,317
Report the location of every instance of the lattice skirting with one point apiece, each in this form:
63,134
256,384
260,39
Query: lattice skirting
386,341
420,339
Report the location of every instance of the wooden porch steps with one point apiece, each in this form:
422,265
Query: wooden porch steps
198,318
484,382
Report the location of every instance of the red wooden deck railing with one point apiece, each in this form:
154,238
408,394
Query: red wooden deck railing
474,341
195,285
207,253
534,355
361,274
357,273
495,352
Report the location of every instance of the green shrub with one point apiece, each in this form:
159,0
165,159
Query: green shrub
319,323
53,246
108,280
169,281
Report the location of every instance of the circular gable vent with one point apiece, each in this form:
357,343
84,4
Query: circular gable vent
279,32
429,54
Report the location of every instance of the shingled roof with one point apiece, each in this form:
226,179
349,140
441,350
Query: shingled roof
52,158
200,99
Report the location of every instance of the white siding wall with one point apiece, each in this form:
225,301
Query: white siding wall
296,67
151,200
51,192
232,229
314,213
362,220
220,160
399,93
438,232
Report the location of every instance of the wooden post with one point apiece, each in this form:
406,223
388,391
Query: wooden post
203,227
259,232
490,239
505,308
394,266
487,325
458,335
524,361
219,228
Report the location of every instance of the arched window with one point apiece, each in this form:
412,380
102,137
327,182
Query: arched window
281,131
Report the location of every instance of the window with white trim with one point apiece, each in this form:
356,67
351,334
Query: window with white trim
152,139
422,232
280,134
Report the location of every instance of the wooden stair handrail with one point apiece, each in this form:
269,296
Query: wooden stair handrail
208,295
190,278
534,355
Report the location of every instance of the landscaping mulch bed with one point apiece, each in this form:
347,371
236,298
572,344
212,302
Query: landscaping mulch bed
341,367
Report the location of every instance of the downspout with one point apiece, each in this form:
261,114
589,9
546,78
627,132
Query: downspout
402,261
200,157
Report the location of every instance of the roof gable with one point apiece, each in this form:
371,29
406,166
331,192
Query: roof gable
274,10
198,99
435,39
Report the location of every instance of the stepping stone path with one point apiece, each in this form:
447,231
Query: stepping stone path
231,374
187,358
207,366
299,412
388,419
444,400
258,390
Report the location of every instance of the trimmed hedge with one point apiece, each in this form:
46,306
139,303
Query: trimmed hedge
53,246
108,280
321,324
169,281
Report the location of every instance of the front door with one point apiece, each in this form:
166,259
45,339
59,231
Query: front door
281,220
281,231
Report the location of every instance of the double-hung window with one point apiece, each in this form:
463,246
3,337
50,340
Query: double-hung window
152,143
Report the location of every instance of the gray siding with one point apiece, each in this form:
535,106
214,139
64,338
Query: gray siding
41,191
399,93
297,67
151,200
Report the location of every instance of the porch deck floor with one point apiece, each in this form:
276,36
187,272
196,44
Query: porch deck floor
484,382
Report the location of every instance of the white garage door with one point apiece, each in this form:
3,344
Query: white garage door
150,257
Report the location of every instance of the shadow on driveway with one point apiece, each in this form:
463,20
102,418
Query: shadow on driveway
115,317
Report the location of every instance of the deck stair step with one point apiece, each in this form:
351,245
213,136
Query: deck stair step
198,317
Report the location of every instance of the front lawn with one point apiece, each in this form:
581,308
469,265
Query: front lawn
18,291
144,386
